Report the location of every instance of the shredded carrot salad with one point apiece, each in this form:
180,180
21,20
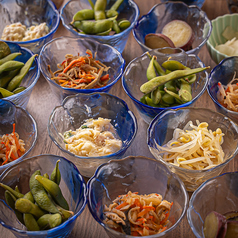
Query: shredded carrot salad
228,95
11,147
138,215
81,72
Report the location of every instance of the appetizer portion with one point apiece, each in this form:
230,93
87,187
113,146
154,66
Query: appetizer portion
96,137
138,215
81,72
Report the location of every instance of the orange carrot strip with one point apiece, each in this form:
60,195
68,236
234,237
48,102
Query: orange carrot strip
104,77
14,127
71,64
6,159
63,84
149,207
121,205
165,228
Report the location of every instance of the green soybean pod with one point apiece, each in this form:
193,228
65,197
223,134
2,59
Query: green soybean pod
30,222
40,195
124,24
150,71
49,221
99,9
26,206
54,190
4,49
157,66
6,77
56,175
9,57
105,33
19,89
116,5
173,65
5,93
12,191
149,101
29,196
168,99
84,14
16,81
10,65
185,92
115,26
17,189
111,13
156,96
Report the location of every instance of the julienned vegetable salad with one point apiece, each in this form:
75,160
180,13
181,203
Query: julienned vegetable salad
81,72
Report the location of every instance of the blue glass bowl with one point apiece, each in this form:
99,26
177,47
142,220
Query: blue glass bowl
135,75
72,186
162,13
161,131
30,13
21,99
218,194
224,73
136,174
76,109
25,126
128,10
198,3
54,52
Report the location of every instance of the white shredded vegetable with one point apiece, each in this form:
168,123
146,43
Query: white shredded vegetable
194,147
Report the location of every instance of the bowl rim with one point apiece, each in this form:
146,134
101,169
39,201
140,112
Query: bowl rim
209,79
124,84
69,38
199,189
211,46
154,121
135,126
30,87
208,21
94,177
53,30
96,37
70,220
6,166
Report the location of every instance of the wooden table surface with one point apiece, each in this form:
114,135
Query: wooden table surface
42,102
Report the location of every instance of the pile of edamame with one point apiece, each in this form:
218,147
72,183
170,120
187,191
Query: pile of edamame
44,206
98,20
172,86
12,72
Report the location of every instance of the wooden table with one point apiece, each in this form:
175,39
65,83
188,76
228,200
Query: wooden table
43,101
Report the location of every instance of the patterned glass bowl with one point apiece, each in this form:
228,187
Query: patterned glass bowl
217,194
25,126
30,13
54,52
162,13
135,75
29,81
72,186
128,10
161,131
76,109
223,73
218,26
136,174
198,3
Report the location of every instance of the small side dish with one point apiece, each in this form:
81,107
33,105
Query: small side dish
96,137
138,215
11,147
81,72
195,147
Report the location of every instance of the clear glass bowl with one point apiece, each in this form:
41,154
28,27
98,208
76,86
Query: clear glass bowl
135,75
128,10
76,109
72,186
54,52
161,131
198,3
219,24
216,194
30,13
25,126
21,99
224,73
136,174
162,13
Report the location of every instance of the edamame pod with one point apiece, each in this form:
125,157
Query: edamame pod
9,57
93,27
16,81
26,206
175,95
116,5
54,190
10,199
4,49
115,26
17,189
84,14
66,214
7,77
56,175
29,196
124,24
149,101
105,33
5,93
12,191
173,65
19,89
10,65
150,72
168,99
111,13
46,175
160,80
157,66
30,222
99,9
156,96
49,221
185,92
40,195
